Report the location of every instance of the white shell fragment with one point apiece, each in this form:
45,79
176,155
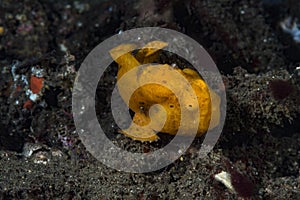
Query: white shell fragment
225,178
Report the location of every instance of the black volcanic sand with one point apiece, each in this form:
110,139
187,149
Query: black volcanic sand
41,154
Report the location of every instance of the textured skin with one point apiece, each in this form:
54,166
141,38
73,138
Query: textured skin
146,121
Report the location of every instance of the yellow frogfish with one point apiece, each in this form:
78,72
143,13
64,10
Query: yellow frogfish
156,108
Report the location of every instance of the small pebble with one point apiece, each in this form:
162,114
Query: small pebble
1,30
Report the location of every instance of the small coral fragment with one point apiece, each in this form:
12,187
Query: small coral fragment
36,84
28,104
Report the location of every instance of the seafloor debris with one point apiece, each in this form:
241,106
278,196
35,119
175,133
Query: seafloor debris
225,178
235,181
32,87
30,148
1,30
290,26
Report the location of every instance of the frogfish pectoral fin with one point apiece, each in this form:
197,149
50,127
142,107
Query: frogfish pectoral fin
140,133
141,128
